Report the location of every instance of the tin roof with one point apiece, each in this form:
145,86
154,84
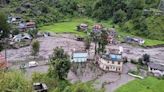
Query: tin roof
156,66
80,55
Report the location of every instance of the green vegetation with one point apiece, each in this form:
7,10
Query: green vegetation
35,48
149,84
59,64
4,29
68,26
14,82
139,18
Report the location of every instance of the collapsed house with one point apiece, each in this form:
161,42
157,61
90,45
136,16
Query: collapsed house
156,68
134,40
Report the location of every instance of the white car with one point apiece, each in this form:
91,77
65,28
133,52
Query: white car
33,64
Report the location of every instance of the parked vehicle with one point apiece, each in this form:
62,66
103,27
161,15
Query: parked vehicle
29,65
40,87
33,64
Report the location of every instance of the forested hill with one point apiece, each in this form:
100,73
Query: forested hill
140,17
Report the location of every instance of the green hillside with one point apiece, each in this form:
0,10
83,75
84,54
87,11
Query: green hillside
149,84
138,17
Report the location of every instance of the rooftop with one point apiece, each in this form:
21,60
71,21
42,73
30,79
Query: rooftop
113,57
80,55
114,51
156,66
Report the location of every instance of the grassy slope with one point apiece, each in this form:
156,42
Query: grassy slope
68,26
149,84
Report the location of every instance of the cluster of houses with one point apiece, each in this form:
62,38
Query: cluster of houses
21,25
97,28
113,61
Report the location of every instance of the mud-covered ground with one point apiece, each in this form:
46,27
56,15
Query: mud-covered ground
68,43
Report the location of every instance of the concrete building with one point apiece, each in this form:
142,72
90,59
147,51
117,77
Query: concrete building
79,56
111,62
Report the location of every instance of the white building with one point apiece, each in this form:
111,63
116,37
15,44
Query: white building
79,56
111,62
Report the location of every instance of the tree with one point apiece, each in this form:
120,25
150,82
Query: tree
4,29
119,16
87,42
102,41
33,33
137,4
35,48
4,26
95,37
59,64
146,58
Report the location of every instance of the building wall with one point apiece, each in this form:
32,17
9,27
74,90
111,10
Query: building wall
110,66
156,72
79,59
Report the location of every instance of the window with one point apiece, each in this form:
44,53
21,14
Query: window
112,62
119,63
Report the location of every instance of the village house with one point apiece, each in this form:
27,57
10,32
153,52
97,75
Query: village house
83,27
156,68
20,37
22,27
113,61
31,25
79,56
97,28
14,20
26,26
134,40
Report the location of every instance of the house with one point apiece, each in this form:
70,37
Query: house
31,25
113,61
83,27
3,62
156,68
14,20
134,40
97,28
22,27
79,56
26,26
20,37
